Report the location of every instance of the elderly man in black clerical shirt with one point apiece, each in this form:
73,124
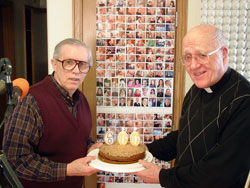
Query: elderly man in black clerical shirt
212,146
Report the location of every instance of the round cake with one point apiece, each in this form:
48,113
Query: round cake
121,154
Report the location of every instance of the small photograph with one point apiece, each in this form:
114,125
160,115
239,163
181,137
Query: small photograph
120,58
101,34
148,116
171,11
150,35
99,101
140,27
120,50
101,130
145,82
130,92
167,102
140,35
118,179
107,82
150,11
159,102
120,42
130,19
140,66
111,18
106,101
101,10
131,3
160,19
148,138
160,92
99,82
111,3
100,73
150,27
137,102
120,19
137,93
130,11
128,179
149,74
122,83
148,131
150,51
130,73
150,43
120,3
100,42
122,102
150,66
145,92
170,19
151,3
130,82
122,92
144,102
159,74
139,74
120,116
160,83
130,35
150,19
170,35
114,101
120,27
160,27
167,93
137,82
107,92
99,91
152,102
152,93
169,74
120,73
170,3
130,101
140,58
120,66
160,35
130,116
101,3
141,3
168,84
140,19
161,3
162,11
121,11
111,11
140,11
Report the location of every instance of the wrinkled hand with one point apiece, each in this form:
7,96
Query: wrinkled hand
150,174
80,167
95,146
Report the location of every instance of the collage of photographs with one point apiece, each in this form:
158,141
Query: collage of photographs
135,42
150,127
135,52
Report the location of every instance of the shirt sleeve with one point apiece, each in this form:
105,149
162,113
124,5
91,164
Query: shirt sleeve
22,133
223,165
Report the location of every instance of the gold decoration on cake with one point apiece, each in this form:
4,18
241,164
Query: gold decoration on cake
109,137
135,138
122,138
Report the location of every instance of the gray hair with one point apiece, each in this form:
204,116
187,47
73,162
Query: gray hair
71,41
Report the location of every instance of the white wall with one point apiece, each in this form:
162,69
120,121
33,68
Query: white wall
59,20
194,7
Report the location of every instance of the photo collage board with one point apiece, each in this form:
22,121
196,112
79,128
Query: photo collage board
134,71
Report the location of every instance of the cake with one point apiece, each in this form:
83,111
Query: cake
121,154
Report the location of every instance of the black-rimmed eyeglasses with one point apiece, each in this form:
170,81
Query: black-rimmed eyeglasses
70,64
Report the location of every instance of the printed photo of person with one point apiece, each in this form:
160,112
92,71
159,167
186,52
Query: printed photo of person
122,102
137,102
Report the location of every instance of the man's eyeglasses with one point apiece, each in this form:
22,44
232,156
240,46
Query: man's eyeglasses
200,57
70,64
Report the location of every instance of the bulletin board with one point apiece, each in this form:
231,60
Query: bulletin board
134,72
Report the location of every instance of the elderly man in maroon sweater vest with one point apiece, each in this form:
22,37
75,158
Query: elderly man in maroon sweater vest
47,137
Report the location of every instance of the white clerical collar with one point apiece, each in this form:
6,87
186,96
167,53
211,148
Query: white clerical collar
208,90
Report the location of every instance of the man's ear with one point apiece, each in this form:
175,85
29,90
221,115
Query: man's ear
53,63
225,54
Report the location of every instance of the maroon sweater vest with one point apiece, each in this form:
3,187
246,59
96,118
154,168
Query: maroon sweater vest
64,137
